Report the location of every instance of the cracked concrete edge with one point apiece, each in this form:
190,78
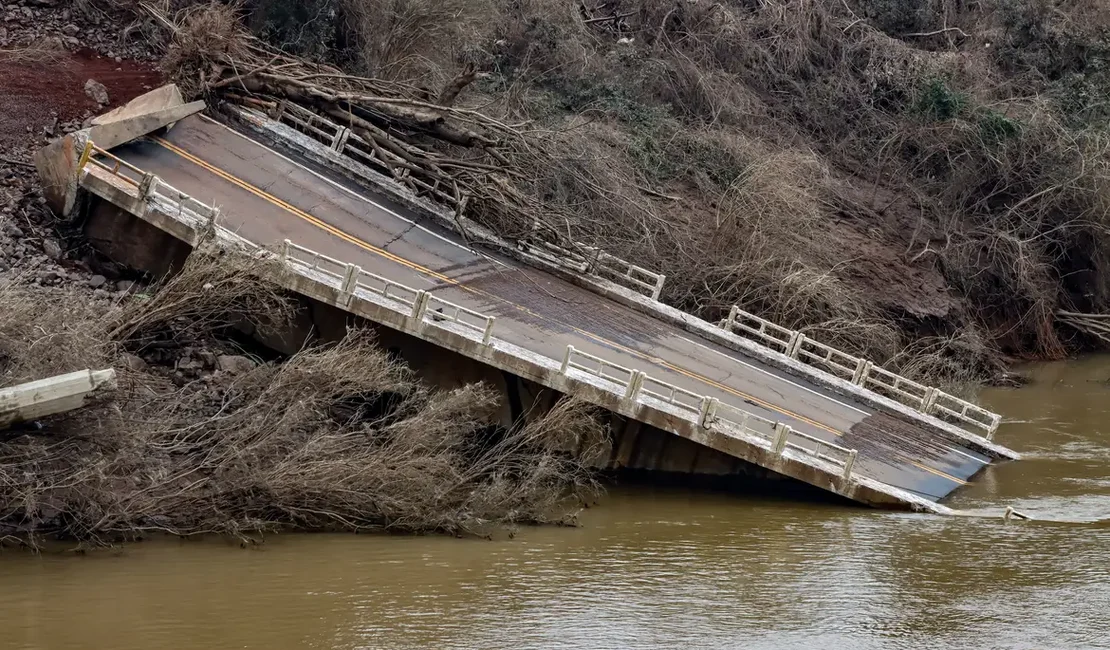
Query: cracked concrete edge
284,136
57,162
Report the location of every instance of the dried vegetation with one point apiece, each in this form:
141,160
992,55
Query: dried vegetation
333,438
888,176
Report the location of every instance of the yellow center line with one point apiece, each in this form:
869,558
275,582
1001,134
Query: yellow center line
439,276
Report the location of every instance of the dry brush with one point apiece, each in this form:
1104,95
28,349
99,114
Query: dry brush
333,438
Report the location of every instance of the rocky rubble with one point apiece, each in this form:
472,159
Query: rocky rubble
33,249
35,252
55,24
43,253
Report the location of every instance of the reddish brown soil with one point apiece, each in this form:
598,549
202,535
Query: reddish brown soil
31,91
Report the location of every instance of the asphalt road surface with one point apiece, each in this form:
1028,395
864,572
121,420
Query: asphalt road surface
267,197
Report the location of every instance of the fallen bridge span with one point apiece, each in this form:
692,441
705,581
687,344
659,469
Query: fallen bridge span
356,251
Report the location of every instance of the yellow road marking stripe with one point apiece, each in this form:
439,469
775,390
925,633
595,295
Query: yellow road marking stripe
421,269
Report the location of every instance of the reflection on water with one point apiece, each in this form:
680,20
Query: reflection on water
648,569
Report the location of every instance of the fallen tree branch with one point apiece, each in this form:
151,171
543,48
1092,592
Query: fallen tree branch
938,32
16,163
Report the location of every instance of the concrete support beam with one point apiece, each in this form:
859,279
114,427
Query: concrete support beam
38,399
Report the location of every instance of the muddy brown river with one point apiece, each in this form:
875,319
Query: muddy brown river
649,568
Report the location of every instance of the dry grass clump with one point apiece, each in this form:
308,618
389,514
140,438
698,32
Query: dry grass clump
46,332
390,39
211,290
44,51
217,32
333,438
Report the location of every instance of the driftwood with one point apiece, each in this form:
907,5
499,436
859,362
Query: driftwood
1096,325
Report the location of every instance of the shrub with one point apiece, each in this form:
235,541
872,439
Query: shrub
937,101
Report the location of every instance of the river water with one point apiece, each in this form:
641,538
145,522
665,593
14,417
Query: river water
649,568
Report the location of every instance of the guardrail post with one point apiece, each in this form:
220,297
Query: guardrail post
728,322
566,360
995,421
658,290
795,344
146,185
487,334
285,245
213,216
928,400
782,432
339,140
849,464
350,279
863,369
635,383
707,411
85,153
419,306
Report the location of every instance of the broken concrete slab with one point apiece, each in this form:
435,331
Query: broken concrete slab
117,132
159,99
38,399
57,162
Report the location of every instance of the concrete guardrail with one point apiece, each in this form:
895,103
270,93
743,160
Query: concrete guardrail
861,372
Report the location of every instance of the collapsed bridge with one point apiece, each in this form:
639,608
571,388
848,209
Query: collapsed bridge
157,179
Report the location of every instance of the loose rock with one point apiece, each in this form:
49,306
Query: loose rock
52,249
132,362
234,364
96,92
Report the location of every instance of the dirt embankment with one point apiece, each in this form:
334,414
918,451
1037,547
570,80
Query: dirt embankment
46,60
46,95
48,51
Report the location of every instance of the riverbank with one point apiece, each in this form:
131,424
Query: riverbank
648,568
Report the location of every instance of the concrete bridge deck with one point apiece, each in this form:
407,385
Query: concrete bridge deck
268,197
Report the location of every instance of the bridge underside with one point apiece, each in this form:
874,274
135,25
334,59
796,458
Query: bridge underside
266,197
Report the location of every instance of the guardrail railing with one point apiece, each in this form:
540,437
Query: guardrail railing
620,270
421,303
431,310
319,128
861,372
114,165
147,185
710,412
